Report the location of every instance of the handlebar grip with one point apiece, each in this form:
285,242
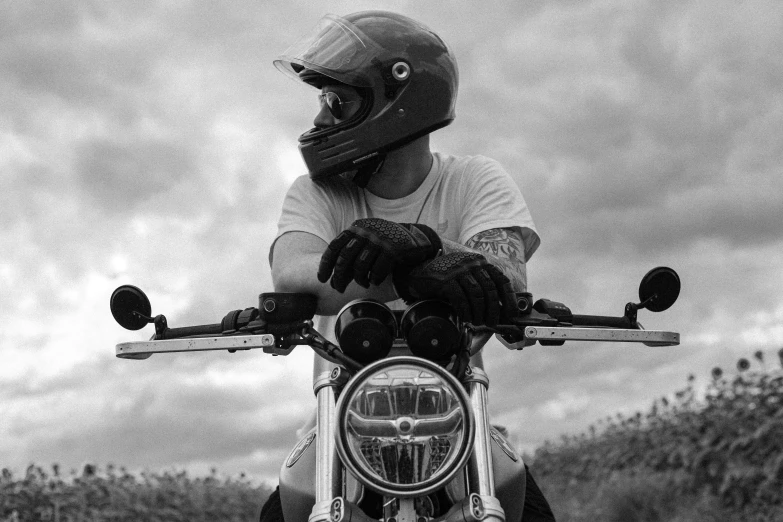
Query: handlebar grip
190,331
603,321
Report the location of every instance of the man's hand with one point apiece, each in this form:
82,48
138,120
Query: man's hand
477,290
372,248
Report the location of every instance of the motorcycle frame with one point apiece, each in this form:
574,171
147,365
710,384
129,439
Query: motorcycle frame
479,503
333,489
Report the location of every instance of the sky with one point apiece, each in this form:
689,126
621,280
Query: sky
152,143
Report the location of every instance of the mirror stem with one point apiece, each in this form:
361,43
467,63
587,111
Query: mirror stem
630,313
161,325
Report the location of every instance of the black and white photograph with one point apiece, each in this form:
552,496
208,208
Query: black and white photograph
391,260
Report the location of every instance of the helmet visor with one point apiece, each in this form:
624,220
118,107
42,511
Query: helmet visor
335,48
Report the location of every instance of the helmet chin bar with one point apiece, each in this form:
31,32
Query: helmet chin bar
316,157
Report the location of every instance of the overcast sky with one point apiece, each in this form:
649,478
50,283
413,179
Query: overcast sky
152,143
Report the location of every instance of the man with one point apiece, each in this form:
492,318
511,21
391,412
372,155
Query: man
380,215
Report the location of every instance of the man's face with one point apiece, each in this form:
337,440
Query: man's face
338,103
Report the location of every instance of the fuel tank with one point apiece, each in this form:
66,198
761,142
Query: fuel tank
297,479
509,470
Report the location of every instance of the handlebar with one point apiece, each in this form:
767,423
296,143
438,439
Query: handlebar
281,339
533,318
284,320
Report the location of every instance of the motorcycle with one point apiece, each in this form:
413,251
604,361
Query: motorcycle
402,430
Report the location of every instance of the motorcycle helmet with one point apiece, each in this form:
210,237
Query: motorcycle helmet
405,74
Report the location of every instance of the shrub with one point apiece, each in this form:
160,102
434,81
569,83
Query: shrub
120,496
727,445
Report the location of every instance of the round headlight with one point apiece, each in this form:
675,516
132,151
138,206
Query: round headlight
404,426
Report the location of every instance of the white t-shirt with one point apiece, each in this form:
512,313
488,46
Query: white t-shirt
460,197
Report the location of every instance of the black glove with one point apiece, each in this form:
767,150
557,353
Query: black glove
479,292
372,248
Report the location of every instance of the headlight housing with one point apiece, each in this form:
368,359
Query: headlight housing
404,426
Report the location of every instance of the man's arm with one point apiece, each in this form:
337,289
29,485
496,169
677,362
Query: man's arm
295,261
478,279
503,247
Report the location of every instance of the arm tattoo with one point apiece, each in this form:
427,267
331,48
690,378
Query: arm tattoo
503,247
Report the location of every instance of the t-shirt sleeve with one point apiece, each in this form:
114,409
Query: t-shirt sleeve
493,200
307,207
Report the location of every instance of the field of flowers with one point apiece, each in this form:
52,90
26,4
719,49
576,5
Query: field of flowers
116,495
704,454
709,453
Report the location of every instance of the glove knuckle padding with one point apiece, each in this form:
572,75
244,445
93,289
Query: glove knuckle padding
364,263
506,294
492,308
453,293
343,268
372,248
348,254
330,255
382,231
453,264
475,296
398,238
478,290
381,268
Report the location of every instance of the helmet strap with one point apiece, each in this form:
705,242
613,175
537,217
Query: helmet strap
370,167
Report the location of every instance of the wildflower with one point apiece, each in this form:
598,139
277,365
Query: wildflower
743,364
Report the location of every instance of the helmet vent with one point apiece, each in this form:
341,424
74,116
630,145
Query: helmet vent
401,71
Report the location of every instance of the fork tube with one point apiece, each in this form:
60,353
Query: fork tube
481,479
328,472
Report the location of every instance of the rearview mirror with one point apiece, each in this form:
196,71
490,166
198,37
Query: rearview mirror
659,289
130,307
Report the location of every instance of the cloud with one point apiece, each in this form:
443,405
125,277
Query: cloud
162,412
635,112
114,174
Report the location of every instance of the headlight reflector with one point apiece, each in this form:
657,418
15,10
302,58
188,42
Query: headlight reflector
405,426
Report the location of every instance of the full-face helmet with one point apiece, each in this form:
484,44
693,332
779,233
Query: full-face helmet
406,75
